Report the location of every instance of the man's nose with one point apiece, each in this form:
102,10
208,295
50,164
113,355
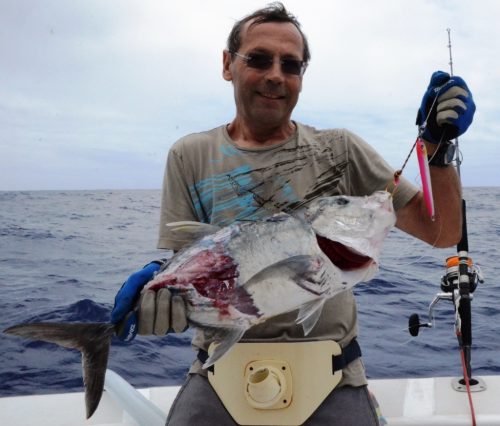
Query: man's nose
275,73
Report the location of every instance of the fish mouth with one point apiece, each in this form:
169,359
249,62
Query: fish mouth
342,256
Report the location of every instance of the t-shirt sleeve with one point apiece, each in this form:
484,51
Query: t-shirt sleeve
176,202
369,172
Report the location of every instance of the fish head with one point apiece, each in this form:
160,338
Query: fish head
350,230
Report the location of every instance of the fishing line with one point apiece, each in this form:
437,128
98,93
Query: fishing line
463,252
423,256
406,342
399,172
437,149
467,386
417,260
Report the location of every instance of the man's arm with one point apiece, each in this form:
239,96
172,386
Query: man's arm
446,229
446,112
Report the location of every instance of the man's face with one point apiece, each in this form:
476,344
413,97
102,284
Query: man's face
265,97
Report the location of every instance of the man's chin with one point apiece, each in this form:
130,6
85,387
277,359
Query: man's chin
271,117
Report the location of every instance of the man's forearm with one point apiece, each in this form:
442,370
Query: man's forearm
447,226
445,229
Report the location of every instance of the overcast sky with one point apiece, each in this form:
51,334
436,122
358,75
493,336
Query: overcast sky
94,92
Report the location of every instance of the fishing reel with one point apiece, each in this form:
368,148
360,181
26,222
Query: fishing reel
450,291
450,281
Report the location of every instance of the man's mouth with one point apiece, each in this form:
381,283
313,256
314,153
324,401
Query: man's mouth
268,95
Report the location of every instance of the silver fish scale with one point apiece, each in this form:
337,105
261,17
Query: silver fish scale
262,244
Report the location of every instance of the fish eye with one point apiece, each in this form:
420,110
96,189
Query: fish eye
342,201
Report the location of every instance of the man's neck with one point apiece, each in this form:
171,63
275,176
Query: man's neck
251,137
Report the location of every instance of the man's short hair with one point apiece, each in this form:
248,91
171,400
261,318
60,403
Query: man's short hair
274,12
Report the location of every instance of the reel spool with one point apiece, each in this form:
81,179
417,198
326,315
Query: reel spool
449,283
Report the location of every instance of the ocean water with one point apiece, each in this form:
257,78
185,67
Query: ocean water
64,255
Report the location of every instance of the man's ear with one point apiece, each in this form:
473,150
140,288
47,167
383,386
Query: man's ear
226,66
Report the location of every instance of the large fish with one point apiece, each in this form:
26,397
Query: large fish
240,275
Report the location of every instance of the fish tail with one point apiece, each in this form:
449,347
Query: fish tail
91,339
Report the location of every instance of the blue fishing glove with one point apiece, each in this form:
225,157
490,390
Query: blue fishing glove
451,114
126,299
143,311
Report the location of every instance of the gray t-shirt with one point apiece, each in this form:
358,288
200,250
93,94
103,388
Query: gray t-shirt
209,179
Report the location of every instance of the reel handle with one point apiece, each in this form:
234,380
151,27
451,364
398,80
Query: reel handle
414,324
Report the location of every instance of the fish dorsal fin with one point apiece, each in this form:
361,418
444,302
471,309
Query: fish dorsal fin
309,314
189,231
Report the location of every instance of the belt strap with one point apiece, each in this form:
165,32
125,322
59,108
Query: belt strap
349,353
202,357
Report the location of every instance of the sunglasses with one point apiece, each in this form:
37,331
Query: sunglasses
264,61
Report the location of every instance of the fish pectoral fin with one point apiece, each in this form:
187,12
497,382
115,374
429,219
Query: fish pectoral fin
189,231
225,339
92,339
300,268
309,314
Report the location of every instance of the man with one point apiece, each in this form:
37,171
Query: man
263,162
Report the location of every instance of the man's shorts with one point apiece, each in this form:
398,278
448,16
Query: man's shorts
197,404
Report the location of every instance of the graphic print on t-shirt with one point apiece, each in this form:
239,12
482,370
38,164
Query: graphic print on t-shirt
282,181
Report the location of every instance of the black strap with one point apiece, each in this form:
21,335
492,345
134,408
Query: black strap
202,357
351,352
444,155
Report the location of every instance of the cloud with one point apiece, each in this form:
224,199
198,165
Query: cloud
102,79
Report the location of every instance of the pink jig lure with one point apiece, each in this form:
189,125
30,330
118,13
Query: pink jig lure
425,176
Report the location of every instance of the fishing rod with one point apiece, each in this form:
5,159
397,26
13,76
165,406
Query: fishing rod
466,284
458,286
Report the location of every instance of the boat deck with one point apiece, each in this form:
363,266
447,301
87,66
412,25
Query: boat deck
404,402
